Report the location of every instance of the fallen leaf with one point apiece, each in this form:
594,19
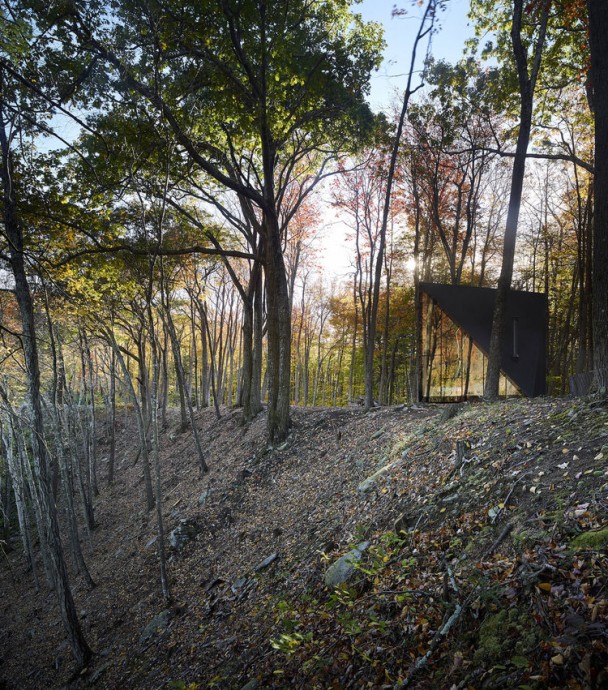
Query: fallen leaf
520,661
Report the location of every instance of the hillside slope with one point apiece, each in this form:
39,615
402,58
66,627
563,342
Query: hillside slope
482,554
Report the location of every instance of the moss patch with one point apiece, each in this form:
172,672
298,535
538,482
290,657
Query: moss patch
506,634
594,539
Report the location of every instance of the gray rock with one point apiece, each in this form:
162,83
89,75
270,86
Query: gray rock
266,562
185,532
98,672
251,685
157,625
449,412
368,484
344,567
404,523
241,585
202,499
382,461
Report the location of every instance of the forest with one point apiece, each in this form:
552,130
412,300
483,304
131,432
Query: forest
178,178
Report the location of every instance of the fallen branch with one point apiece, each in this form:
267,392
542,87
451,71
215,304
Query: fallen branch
506,500
436,641
452,578
449,578
506,530
519,479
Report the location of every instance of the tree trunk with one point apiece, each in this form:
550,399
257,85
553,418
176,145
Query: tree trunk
205,381
177,359
252,335
279,334
144,388
112,420
19,492
58,429
353,351
193,382
526,91
12,228
139,418
164,580
383,395
205,320
181,380
164,397
91,422
598,31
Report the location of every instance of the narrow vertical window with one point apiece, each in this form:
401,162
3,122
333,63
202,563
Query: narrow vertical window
515,354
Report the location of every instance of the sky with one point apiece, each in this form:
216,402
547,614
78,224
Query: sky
388,84
399,34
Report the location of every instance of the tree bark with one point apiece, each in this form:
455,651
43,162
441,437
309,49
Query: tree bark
13,231
58,428
527,83
112,420
164,580
425,28
279,333
139,417
19,492
598,32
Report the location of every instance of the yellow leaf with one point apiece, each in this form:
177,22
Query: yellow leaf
545,586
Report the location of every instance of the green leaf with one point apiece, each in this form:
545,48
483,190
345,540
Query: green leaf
520,662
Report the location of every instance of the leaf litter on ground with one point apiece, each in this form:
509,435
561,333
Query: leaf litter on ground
487,565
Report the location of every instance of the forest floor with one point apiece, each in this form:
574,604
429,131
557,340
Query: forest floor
484,568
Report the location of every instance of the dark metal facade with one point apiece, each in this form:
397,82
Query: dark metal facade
524,345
